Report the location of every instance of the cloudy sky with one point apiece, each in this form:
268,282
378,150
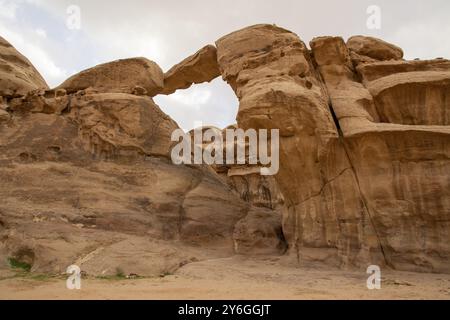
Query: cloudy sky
167,31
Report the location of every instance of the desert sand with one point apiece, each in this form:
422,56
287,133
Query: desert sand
237,278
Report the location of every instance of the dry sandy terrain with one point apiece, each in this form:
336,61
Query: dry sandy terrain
238,278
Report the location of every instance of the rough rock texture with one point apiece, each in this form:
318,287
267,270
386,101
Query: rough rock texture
198,68
135,75
87,179
95,186
272,73
396,129
17,75
364,154
246,179
374,48
260,232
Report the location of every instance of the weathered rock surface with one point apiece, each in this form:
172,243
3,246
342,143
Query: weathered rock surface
198,68
396,129
260,232
87,179
374,48
272,73
17,74
95,186
371,186
135,76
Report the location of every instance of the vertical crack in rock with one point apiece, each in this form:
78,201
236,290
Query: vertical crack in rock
364,201
395,134
361,194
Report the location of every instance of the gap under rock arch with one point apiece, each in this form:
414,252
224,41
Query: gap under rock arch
212,104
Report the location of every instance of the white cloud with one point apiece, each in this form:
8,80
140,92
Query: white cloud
209,103
8,9
194,98
41,33
424,40
36,54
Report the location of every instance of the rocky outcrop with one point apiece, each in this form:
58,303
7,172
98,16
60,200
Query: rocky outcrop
260,231
374,48
17,74
134,76
395,125
96,186
87,179
273,75
198,68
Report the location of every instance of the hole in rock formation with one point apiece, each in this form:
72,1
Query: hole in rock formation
212,103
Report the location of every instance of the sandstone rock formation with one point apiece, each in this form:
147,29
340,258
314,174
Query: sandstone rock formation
17,74
260,232
396,130
360,189
272,73
87,179
198,68
374,48
364,160
135,76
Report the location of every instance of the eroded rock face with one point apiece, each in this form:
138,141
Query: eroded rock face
272,73
198,68
374,48
17,74
395,125
87,179
114,125
134,76
260,231
95,186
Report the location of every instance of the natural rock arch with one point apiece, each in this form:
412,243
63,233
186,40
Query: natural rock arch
333,212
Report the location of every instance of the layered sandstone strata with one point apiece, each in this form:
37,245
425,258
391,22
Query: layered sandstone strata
393,115
87,179
273,75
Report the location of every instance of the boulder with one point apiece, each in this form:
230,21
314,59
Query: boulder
133,76
374,48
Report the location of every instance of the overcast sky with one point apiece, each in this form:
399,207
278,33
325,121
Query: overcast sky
167,31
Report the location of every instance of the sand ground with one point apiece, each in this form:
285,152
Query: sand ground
237,278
